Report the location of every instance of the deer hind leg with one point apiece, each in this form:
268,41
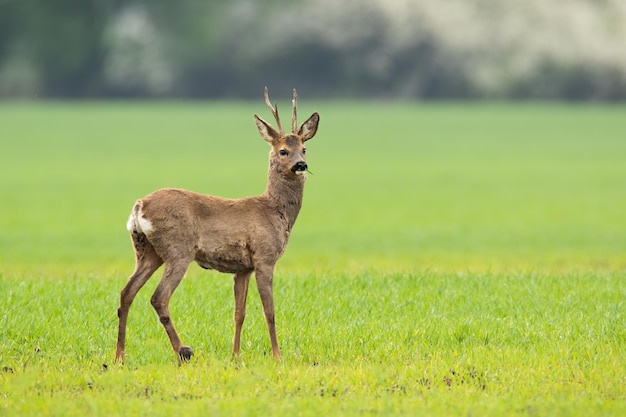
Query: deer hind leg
241,281
160,300
147,262
264,278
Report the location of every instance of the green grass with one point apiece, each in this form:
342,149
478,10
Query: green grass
450,259
456,344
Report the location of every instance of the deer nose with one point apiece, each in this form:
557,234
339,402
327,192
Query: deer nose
299,167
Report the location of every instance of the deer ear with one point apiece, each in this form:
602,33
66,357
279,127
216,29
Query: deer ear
267,132
309,128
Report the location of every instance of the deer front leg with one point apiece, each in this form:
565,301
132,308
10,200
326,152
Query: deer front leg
264,278
160,301
241,281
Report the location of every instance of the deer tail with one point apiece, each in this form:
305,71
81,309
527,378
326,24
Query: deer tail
137,223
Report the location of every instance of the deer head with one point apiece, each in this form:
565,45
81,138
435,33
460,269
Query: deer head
288,150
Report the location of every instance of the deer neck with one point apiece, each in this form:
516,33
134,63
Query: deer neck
284,193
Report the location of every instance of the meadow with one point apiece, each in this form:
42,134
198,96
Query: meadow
449,259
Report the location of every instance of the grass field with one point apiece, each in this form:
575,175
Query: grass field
450,259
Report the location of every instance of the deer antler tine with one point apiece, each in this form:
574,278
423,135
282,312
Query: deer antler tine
294,119
274,111
267,101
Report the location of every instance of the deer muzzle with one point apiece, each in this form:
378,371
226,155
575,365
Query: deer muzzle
299,167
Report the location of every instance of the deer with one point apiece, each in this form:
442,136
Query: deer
175,227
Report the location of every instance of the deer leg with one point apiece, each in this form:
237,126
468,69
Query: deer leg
160,300
264,279
241,281
147,263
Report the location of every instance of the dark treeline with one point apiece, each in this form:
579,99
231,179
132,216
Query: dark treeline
422,49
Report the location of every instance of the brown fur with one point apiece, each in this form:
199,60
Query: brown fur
175,227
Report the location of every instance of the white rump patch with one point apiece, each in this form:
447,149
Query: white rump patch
137,222
144,224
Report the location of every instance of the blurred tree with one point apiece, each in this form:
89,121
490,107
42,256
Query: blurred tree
355,48
63,40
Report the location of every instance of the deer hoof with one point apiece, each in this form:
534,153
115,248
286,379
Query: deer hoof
185,353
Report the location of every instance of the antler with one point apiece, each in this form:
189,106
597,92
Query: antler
274,111
294,122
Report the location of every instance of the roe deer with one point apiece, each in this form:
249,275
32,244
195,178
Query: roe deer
238,236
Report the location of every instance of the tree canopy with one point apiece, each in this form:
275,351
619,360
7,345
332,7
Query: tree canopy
421,49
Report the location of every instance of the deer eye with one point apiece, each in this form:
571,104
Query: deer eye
283,152
304,150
